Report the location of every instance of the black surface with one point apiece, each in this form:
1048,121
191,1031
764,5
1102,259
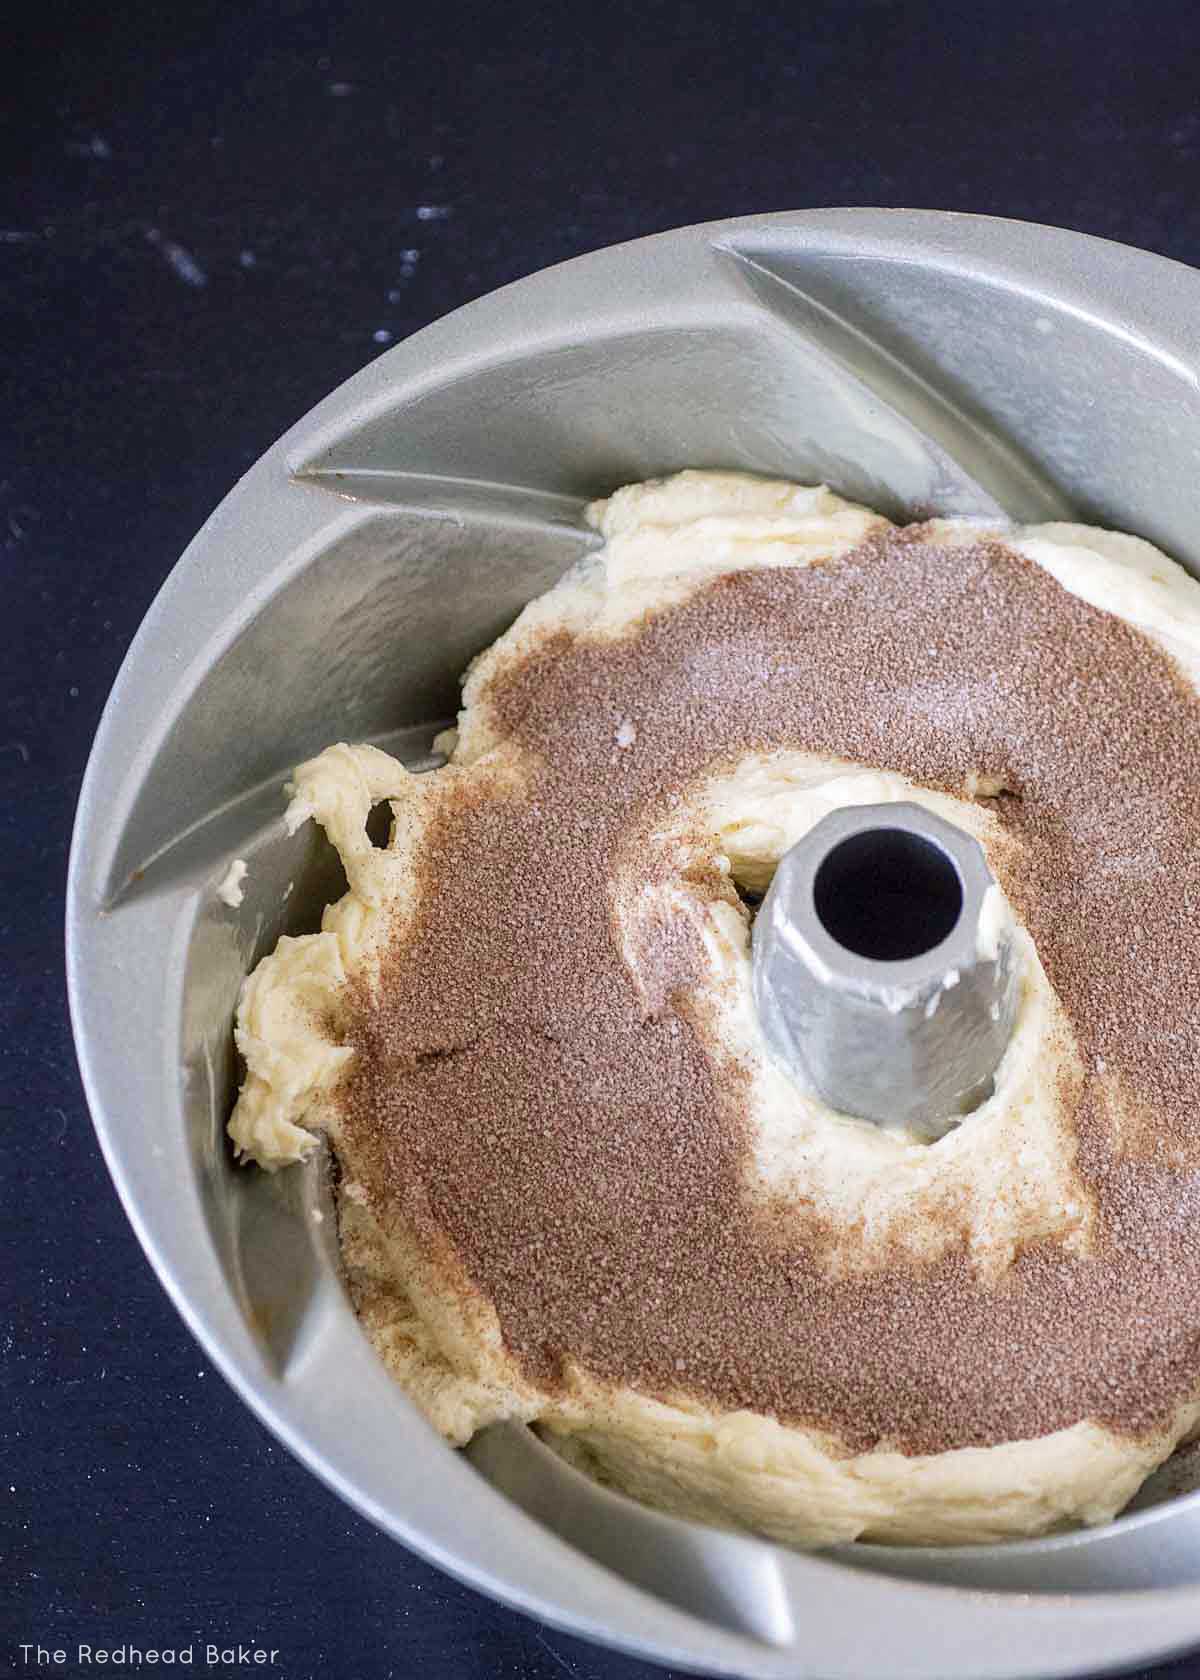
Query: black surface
886,894
206,215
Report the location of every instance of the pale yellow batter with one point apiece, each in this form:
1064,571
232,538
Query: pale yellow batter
1011,1169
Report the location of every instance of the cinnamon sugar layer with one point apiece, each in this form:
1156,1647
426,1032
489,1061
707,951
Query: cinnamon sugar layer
516,1095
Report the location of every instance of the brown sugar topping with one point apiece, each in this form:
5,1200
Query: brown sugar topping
586,1159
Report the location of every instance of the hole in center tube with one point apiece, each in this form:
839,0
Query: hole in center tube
887,894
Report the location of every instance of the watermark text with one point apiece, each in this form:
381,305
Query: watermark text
149,1656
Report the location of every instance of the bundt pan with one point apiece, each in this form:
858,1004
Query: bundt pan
920,362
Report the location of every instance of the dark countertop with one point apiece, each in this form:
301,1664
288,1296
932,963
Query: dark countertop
209,216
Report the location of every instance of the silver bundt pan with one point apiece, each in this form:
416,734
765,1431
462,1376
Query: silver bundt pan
917,361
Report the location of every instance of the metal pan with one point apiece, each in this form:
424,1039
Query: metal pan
915,360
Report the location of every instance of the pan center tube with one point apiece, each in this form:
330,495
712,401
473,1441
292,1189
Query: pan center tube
884,967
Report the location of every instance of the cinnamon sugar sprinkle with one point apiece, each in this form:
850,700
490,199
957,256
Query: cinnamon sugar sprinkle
515,1096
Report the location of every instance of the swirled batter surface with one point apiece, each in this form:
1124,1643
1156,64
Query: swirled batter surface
576,1189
